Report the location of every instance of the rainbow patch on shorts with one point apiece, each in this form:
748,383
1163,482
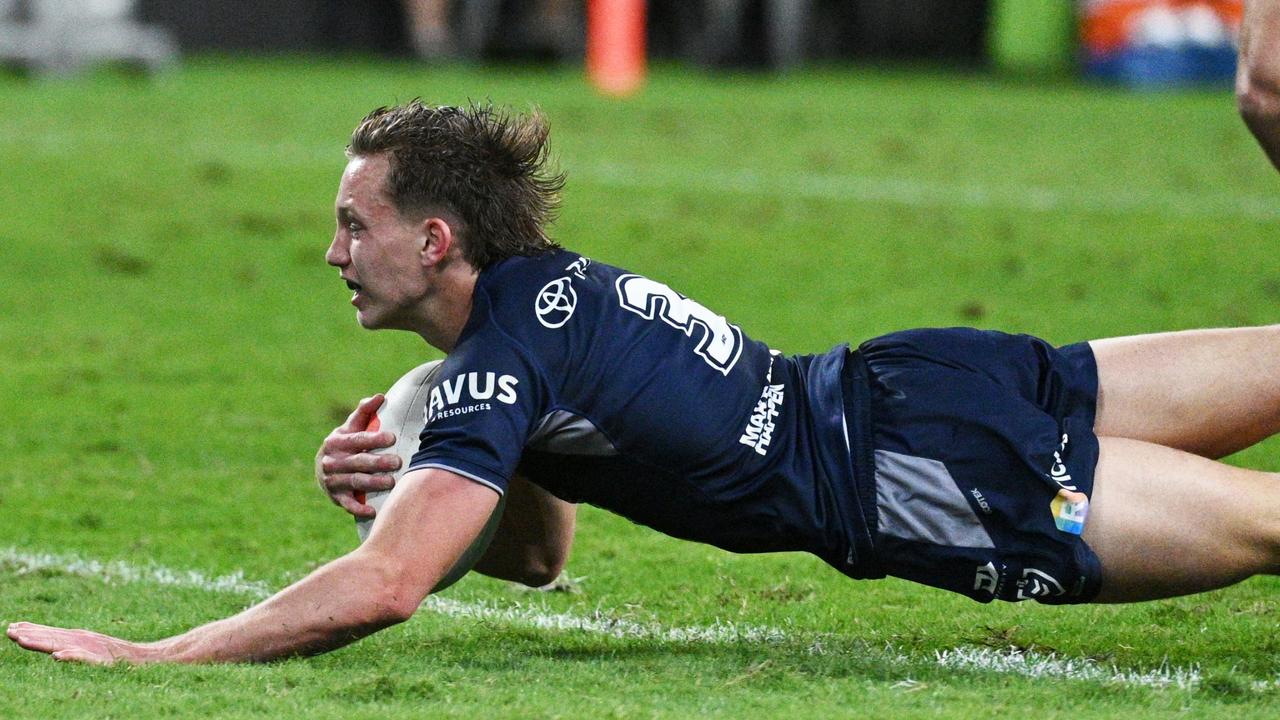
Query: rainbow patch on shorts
1070,509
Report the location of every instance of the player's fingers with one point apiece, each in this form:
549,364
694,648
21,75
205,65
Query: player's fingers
347,502
34,637
360,417
357,482
17,632
357,442
81,655
370,482
43,638
356,420
359,463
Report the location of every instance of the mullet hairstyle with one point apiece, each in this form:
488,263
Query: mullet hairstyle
486,167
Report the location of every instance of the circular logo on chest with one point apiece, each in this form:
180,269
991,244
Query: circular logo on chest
555,303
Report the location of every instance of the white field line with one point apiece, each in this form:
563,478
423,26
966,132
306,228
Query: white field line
1031,664
903,190
120,572
600,624
1008,661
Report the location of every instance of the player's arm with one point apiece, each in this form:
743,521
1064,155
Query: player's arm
530,545
423,531
533,538
1258,74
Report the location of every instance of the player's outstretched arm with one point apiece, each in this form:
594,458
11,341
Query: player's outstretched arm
423,531
1258,74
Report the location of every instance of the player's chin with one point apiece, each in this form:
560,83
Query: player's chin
368,320
385,318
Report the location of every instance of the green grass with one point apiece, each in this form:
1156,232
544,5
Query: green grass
174,349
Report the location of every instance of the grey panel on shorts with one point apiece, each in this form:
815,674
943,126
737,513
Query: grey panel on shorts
918,500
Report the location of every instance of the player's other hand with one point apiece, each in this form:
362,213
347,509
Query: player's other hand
81,645
346,466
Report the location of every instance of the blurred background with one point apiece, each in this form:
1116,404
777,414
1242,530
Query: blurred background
1139,43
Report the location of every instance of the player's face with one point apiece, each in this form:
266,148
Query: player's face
377,252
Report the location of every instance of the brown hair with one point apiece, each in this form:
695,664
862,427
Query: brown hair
487,167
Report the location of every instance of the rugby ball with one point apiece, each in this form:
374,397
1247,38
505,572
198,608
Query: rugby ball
404,413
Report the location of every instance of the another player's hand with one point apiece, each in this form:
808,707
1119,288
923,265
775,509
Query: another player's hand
345,466
81,645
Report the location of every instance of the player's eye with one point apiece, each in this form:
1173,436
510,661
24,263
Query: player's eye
354,229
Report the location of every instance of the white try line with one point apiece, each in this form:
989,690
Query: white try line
914,192
1031,664
112,572
973,659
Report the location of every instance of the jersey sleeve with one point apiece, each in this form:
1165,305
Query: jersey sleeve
481,411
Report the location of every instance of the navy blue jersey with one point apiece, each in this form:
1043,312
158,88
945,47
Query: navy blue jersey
609,388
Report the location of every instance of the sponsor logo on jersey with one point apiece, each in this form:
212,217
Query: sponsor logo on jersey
1070,507
982,501
1038,584
1058,471
759,430
1069,510
987,579
555,303
467,393
579,267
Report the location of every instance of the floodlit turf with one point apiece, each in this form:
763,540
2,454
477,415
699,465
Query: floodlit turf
174,349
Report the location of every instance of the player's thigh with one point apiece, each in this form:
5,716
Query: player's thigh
1210,392
1164,522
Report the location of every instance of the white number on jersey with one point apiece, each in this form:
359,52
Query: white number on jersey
720,344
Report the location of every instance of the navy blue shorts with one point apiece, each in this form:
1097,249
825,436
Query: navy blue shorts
984,460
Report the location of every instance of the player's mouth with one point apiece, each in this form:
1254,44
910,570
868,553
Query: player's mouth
355,289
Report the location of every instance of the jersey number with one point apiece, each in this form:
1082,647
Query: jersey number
720,343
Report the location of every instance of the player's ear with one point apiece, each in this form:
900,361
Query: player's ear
437,239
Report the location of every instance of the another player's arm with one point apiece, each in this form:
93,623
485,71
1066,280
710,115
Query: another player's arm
532,541
422,532
1258,74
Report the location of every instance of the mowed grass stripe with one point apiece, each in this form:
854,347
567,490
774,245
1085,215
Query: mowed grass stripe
1011,661
913,192
895,190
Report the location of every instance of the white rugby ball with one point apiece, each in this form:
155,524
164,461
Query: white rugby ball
404,413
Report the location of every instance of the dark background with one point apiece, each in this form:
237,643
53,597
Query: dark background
952,31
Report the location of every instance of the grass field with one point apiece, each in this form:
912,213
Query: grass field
174,348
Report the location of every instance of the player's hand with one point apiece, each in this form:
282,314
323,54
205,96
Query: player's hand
81,645
345,466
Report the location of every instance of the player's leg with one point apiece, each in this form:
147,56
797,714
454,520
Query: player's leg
1209,392
1165,522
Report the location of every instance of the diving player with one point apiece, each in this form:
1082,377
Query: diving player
988,464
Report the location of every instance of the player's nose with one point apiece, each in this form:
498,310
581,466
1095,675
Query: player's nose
337,254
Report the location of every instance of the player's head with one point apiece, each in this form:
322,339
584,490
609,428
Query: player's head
391,262
484,170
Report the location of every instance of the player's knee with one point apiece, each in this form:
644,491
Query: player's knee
1269,555
1263,540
